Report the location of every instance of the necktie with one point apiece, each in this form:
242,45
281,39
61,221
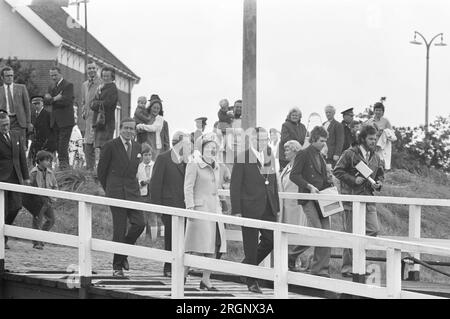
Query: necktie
7,138
128,149
10,100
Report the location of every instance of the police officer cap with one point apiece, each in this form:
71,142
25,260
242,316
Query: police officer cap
348,112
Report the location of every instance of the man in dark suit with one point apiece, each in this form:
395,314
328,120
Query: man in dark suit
254,194
40,118
309,173
13,167
14,100
335,142
167,184
117,169
61,97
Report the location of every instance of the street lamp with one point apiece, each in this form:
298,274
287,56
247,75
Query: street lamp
428,46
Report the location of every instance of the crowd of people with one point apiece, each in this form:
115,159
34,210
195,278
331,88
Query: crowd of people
143,164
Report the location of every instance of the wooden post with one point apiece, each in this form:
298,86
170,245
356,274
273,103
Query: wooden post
177,257
359,252
249,66
393,273
84,247
280,283
415,217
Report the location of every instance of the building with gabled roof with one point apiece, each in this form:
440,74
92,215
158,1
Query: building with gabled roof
44,35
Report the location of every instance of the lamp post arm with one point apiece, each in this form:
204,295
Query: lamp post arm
435,37
423,38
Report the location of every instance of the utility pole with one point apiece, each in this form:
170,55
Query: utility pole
249,65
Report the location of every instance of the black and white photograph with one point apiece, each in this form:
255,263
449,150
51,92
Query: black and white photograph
224,156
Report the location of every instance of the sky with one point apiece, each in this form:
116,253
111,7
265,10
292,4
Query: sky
311,53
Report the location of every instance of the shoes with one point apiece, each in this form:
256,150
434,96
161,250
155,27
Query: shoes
347,274
118,273
203,286
254,287
125,264
322,275
243,279
297,269
38,246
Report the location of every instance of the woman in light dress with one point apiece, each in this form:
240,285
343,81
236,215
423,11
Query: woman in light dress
204,177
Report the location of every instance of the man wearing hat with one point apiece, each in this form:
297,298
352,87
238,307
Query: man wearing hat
349,128
40,118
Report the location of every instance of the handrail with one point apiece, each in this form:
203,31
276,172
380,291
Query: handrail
344,240
361,198
280,274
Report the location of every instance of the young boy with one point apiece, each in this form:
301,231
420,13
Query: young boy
144,175
43,177
141,116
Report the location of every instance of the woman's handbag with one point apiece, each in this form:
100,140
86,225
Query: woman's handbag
101,120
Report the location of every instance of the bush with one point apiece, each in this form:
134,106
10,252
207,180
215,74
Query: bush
414,150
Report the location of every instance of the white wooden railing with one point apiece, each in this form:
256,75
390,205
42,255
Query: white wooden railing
359,218
279,274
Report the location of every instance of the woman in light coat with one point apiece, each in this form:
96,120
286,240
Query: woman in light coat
291,212
204,176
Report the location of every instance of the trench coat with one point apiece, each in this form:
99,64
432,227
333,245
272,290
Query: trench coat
291,211
200,191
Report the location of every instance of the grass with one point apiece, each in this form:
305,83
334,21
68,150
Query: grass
393,218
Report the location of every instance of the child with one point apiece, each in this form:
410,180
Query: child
41,176
225,115
144,175
141,116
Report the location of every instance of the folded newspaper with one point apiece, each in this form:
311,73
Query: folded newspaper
329,208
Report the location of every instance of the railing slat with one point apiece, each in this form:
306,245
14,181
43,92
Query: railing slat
281,265
85,239
393,273
2,230
177,257
359,228
415,219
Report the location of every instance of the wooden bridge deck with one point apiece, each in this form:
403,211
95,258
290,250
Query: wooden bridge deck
148,286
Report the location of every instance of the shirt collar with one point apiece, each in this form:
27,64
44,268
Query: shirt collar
59,82
259,155
11,85
176,155
364,151
124,142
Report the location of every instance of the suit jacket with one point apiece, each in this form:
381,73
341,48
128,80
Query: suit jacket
248,191
42,128
167,182
117,173
62,110
21,104
306,171
335,142
12,159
